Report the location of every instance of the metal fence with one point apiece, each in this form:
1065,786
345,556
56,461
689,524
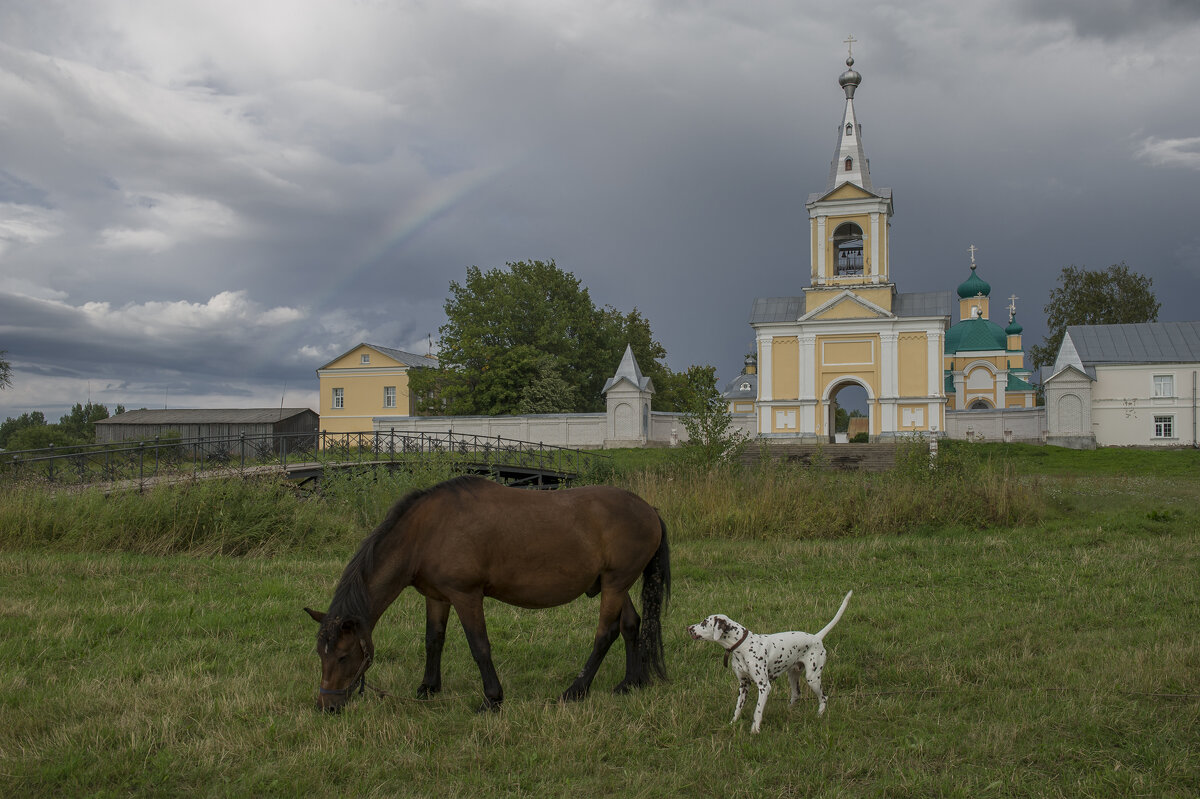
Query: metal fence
145,462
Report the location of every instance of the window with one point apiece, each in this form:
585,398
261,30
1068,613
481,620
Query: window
339,398
364,358
848,250
1164,426
389,396
1164,385
849,164
849,129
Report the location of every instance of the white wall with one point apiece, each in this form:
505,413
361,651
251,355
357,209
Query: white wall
1010,424
1124,406
575,430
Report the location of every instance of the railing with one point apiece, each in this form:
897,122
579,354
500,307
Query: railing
138,464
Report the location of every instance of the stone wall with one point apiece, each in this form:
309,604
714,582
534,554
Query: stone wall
1010,424
574,430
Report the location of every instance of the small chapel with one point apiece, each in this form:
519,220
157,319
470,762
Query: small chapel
852,327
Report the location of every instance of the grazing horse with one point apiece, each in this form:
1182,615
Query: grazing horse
469,538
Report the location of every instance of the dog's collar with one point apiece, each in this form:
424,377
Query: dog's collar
740,641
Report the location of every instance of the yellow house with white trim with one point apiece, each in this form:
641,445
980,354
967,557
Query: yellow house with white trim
850,327
365,382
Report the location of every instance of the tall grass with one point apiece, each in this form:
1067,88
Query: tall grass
209,517
781,501
962,490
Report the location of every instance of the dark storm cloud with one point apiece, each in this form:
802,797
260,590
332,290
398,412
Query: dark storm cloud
211,200
1115,19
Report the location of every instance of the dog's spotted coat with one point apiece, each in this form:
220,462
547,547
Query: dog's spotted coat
759,659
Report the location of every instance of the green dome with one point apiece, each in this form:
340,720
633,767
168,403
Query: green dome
973,286
975,335
1014,327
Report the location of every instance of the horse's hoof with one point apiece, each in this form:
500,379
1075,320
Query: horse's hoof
427,691
622,688
573,695
489,706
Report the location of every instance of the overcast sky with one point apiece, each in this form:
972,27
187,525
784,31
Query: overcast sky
203,202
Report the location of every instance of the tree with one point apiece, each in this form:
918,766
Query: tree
709,424
529,339
5,371
42,436
10,427
1111,296
80,423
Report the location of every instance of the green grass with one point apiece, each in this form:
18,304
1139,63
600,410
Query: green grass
1045,646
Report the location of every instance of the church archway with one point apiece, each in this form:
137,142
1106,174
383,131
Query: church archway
849,408
848,250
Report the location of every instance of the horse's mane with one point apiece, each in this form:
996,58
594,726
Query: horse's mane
350,598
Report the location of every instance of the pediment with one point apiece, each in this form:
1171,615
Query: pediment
846,305
848,191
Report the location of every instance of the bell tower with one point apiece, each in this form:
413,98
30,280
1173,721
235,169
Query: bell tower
849,219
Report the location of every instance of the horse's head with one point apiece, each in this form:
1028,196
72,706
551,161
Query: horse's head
345,648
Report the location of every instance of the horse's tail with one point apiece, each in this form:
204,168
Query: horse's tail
656,591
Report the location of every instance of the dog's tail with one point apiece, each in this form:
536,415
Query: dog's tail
837,616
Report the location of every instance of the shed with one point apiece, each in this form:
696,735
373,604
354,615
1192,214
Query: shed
145,425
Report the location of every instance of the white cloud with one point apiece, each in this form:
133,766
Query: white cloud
170,219
229,313
23,225
1170,152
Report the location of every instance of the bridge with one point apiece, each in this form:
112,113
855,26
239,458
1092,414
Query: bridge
299,457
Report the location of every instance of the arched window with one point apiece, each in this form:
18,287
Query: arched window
848,250
849,129
849,164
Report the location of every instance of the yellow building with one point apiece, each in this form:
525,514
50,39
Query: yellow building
850,327
985,365
365,382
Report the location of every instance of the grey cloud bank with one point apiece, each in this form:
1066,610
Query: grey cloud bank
200,203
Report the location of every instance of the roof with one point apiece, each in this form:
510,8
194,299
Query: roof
776,309
734,391
790,309
974,286
406,358
1148,342
206,416
629,370
975,335
1017,384
923,303
400,356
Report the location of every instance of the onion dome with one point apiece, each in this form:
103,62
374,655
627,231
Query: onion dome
849,79
1014,327
975,335
974,286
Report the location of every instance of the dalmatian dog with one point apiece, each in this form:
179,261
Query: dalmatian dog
759,659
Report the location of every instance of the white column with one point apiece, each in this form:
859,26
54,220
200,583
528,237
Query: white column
889,366
936,368
808,366
765,388
875,247
817,276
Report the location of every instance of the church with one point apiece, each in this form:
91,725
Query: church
851,327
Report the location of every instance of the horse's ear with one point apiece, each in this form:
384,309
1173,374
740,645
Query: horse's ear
350,625
317,615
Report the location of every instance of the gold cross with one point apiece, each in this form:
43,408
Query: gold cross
973,249
849,41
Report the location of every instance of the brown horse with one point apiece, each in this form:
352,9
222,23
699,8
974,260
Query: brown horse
469,538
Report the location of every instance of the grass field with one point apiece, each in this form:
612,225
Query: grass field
1055,654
